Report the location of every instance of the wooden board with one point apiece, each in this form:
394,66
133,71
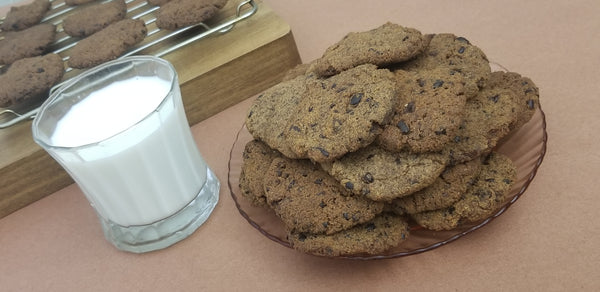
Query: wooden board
214,73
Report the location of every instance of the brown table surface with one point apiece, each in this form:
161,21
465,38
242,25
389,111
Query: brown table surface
548,241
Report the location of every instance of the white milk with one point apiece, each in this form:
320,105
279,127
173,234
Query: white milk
157,155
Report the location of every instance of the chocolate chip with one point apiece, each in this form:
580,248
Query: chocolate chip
295,128
457,139
40,70
438,83
250,114
349,185
325,224
370,227
322,204
355,99
530,104
370,156
346,216
409,107
302,237
507,181
451,209
368,178
365,191
403,127
462,39
319,181
495,98
323,151
490,180
405,38
441,132
461,50
321,193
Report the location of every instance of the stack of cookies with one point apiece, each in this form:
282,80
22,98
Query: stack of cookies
390,128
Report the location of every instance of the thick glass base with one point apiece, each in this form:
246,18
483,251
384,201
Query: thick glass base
163,233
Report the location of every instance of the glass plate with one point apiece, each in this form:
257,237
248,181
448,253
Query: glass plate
526,147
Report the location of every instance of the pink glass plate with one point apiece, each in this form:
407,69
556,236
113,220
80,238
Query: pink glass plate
526,147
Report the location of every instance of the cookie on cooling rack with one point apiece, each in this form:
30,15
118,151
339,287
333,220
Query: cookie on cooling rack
389,43
488,192
382,175
309,200
77,2
458,54
30,42
91,19
24,16
157,2
107,44
30,79
428,113
181,13
374,237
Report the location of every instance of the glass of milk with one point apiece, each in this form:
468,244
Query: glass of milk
121,132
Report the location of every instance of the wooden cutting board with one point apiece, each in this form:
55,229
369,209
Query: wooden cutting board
214,73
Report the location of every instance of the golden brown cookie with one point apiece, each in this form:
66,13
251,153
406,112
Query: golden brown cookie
526,94
30,42
445,190
25,16
428,113
93,18
455,53
257,158
181,13
342,113
489,116
381,175
375,237
29,80
389,43
270,112
482,199
308,200
107,44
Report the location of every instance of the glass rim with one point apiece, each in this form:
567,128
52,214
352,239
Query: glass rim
54,96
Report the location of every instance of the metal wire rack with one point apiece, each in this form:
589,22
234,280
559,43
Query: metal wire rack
136,9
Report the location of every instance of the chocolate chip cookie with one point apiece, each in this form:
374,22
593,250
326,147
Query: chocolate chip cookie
107,44
429,111
377,236
381,175
181,13
257,158
25,16
29,80
91,19
489,116
485,196
458,54
30,42
445,190
271,111
342,113
389,43
308,200
526,94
